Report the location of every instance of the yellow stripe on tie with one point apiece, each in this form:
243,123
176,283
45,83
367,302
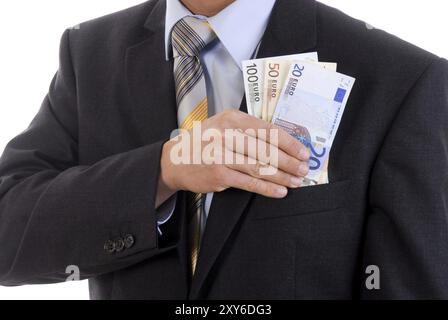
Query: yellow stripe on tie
193,116
200,113
200,117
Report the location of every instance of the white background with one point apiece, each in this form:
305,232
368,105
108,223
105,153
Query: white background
29,40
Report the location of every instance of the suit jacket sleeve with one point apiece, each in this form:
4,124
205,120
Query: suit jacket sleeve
55,213
407,230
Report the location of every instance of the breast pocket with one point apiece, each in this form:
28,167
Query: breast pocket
304,200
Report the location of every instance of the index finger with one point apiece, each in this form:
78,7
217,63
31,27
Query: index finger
291,145
285,142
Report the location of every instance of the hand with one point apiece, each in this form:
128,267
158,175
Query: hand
289,171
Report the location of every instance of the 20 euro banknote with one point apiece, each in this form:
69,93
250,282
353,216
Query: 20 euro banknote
275,74
310,108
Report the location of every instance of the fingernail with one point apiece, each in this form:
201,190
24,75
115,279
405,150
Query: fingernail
296,182
282,192
303,169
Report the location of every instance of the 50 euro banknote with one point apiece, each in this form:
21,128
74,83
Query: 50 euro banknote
310,108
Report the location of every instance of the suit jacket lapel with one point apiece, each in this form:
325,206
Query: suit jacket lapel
150,80
291,29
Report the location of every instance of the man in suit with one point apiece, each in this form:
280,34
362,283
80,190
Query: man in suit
90,183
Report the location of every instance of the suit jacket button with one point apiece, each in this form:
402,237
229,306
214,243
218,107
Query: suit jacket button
119,245
109,247
129,241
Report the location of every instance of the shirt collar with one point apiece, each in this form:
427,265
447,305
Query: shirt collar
239,27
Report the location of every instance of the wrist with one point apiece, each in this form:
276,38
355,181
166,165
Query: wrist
165,188
167,178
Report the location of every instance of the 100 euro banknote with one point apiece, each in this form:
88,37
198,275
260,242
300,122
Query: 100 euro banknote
310,108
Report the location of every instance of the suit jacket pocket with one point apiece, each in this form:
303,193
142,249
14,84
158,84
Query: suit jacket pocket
304,200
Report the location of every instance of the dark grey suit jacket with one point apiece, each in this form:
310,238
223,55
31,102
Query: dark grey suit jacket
78,186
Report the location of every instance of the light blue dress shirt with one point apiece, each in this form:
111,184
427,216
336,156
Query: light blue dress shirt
239,29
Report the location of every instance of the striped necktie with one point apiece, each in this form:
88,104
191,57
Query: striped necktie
189,36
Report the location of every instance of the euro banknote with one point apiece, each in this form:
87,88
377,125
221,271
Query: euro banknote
310,108
253,72
275,73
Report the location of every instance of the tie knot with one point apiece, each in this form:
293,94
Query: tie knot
190,35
